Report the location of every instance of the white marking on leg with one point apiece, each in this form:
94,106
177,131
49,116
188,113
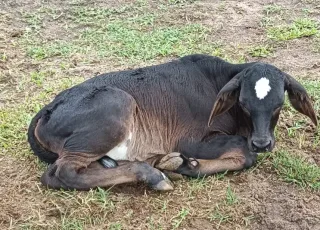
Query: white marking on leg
163,175
262,88
120,152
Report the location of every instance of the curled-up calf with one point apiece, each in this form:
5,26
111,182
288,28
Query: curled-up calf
194,116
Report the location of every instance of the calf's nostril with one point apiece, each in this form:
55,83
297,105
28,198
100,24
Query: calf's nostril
261,145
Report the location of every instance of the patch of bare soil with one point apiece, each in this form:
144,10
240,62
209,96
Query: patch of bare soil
17,190
265,201
279,206
239,24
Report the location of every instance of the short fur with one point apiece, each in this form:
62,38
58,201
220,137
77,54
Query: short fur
166,108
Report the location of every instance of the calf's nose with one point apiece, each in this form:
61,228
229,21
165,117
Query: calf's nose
261,145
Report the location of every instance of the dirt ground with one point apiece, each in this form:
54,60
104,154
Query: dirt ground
47,46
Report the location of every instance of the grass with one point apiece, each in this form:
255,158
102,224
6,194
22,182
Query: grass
297,125
294,169
177,220
102,196
231,197
299,28
93,36
13,128
272,9
38,77
108,33
77,210
115,226
175,2
222,211
316,45
261,51
219,216
96,14
72,224
197,185
124,42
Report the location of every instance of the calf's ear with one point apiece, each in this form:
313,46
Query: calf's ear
226,98
299,98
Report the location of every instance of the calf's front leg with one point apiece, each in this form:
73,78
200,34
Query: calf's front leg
220,154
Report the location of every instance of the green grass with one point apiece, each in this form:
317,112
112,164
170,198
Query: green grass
13,128
92,207
115,226
128,32
316,44
34,20
294,169
175,2
153,225
38,77
88,38
297,125
219,216
231,197
177,220
299,28
272,9
261,51
197,185
95,15
72,224
102,197
119,39
58,48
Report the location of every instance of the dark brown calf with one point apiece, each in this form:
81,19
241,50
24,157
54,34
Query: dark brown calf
138,123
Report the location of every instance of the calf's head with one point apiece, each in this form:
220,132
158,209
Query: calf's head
259,91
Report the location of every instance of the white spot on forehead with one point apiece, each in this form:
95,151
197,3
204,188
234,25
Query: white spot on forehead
262,88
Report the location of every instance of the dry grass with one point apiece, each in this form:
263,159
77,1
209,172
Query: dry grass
47,47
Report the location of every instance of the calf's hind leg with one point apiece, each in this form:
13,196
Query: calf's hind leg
80,171
87,128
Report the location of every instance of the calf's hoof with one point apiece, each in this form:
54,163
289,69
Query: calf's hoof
173,161
50,180
163,185
170,162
